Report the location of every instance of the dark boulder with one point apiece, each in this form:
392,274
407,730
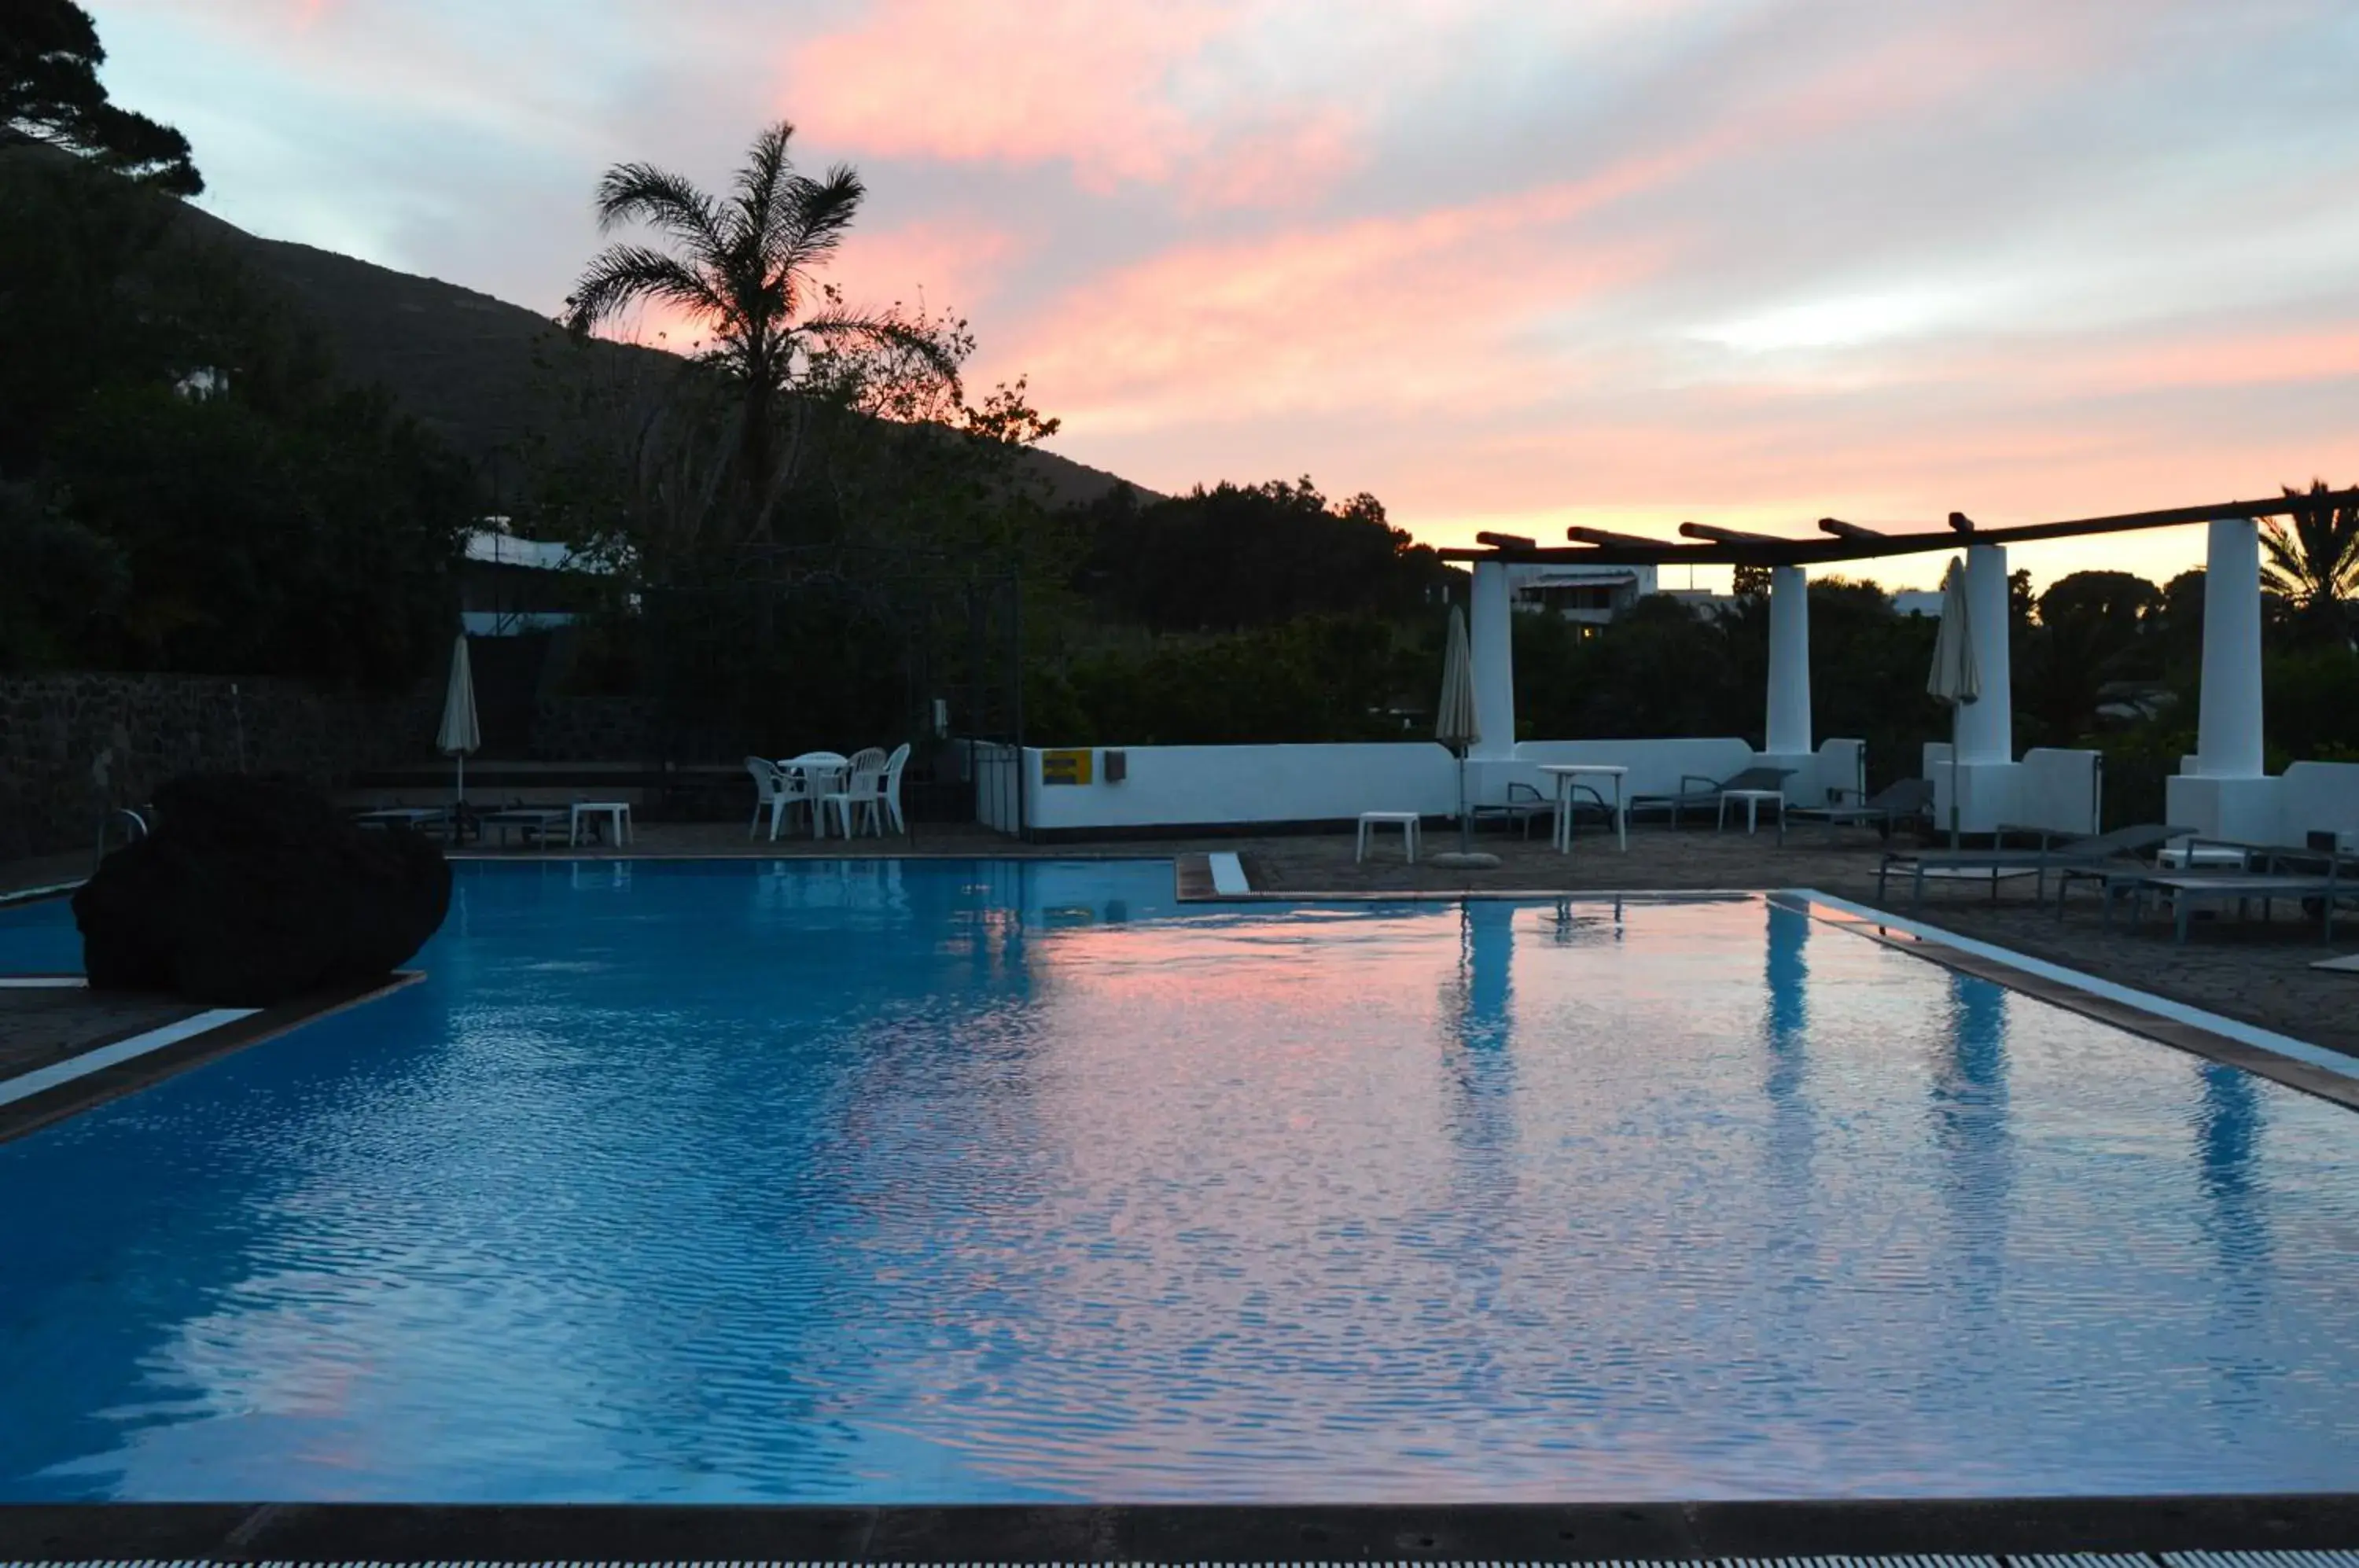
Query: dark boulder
250,891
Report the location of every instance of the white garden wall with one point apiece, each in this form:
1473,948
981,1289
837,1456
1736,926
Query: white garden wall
2307,798
2057,789
2317,796
1237,786
1182,786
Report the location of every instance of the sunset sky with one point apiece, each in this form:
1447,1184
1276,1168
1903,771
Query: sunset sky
1507,266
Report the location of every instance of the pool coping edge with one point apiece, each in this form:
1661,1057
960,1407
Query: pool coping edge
169,1059
1700,1530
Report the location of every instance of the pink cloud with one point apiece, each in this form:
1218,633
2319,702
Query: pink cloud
1108,91
1421,311
947,264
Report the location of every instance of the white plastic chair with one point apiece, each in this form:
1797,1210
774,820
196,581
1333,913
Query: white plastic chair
893,766
862,797
770,792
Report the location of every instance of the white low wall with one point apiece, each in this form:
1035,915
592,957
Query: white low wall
993,765
2308,798
1181,786
1655,765
2053,789
2317,796
1176,786
2061,790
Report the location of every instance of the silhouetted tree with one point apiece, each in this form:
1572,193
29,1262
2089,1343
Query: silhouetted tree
745,267
2312,564
49,92
1254,555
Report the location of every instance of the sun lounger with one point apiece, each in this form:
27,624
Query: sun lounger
541,824
1883,811
2092,850
1522,805
1707,798
2186,890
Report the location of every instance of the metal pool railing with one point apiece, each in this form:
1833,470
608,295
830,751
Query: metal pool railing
135,830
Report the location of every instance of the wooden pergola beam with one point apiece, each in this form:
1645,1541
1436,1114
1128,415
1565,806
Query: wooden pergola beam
1613,540
1842,530
1727,536
1852,543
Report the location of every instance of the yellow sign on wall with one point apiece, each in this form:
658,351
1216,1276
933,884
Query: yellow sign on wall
1066,766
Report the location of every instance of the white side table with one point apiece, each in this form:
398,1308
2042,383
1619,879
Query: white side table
1564,773
1408,821
1753,800
617,812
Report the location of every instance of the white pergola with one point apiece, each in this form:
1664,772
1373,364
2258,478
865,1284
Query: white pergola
2221,789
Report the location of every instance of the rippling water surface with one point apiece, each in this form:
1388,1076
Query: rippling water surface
985,1182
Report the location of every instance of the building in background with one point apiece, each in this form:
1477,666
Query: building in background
508,586
1591,595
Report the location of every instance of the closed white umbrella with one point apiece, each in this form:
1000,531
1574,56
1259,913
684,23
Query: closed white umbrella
460,734
1454,724
1955,679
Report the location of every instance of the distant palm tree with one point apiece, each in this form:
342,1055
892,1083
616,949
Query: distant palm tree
2312,563
744,266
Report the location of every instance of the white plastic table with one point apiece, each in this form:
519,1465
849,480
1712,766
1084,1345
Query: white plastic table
1409,824
1564,773
616,811
1752,799
821,774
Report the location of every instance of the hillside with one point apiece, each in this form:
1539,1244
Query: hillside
464,363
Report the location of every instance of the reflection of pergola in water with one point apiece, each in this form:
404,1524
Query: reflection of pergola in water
2221,789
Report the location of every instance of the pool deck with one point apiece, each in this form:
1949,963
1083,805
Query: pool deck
2303,1531
64,1048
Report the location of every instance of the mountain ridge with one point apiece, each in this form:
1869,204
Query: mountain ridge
464,364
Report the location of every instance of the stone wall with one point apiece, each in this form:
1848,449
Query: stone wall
72,745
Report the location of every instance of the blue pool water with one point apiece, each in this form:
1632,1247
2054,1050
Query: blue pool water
925,1182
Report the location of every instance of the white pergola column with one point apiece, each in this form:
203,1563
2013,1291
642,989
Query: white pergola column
2221,791
1490,635
1987,725
2228,732
1788,728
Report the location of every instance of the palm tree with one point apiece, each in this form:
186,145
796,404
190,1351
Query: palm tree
744,266
2312,563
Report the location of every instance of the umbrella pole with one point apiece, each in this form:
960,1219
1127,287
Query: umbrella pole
1953,775
1465,828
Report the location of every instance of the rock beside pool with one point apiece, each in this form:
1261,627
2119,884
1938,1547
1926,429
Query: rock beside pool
252,891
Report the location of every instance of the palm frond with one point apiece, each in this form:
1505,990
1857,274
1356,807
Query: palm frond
623,274
2315,557
768,171
809,225
640,192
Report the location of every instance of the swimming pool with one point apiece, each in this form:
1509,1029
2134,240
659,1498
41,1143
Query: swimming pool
994,1182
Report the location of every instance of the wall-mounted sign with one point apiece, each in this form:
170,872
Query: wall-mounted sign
1066,766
